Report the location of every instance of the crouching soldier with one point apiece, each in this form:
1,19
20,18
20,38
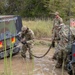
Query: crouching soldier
27,37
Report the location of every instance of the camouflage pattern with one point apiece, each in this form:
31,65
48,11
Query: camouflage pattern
28,37
63,45
57,23
56,28
57,38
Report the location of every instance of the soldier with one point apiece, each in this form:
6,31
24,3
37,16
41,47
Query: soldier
55,30
57,22
27,36
62,45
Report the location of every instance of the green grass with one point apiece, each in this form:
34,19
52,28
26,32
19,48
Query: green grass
41,28
42,43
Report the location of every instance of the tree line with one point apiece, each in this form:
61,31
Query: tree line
37,8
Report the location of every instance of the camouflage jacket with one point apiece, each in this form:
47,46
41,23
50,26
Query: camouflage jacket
29,36
64,36
57,21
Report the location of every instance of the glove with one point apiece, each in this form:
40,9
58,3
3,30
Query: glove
22,40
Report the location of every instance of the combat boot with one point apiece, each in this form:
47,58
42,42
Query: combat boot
54,58
58,65
24,56
31,57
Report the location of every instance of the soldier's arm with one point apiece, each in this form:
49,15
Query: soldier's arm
20,38
31,36
61,20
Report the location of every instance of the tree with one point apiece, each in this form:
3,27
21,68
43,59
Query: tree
37,8
1,7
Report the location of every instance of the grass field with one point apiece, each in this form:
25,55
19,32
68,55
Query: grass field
41,28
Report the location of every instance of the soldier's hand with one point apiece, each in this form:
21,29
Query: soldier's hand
23,40
19,34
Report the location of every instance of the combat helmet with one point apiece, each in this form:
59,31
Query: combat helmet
56,13
24,28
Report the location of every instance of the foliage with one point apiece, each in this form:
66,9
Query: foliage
37,8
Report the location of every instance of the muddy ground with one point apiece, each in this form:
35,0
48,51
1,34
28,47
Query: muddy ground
42,66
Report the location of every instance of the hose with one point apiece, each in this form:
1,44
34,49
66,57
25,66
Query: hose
42,55
30,49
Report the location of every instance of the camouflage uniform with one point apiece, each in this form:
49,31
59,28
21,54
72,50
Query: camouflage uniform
56,25
56,28
61,48
28,37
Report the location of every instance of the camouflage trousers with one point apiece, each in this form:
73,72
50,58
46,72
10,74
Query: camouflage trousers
25,48
61,58
55,36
